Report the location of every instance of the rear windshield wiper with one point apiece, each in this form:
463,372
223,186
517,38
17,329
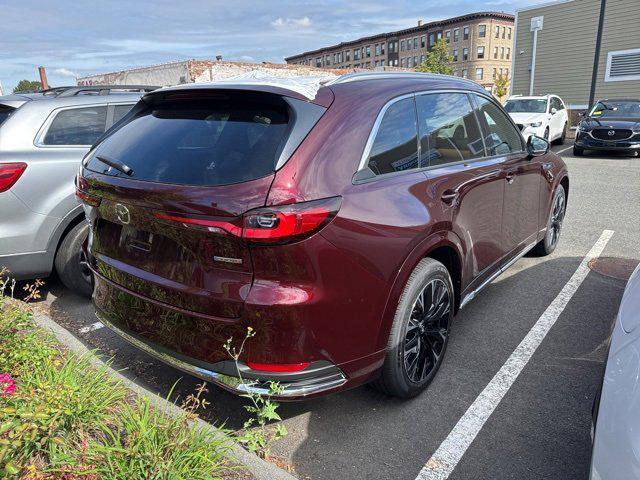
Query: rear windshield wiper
117,164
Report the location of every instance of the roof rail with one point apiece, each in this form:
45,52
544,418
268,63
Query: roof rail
103,89
359,76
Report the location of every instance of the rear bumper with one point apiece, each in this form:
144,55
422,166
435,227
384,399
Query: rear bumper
319,377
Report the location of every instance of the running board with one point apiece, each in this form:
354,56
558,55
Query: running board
471,295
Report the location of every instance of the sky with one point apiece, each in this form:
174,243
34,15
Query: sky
76,37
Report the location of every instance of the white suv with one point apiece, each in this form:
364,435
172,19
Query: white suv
543,116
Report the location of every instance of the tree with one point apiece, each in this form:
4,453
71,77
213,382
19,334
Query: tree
27,86
501,86
438,60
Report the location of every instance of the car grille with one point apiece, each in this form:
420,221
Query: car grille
520,126
605,134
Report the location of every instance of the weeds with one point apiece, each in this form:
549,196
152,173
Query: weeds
256,432
61,418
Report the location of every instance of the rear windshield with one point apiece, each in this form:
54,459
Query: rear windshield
215,141
526,106
5,112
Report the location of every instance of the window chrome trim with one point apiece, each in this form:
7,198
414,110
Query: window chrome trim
376,126
44,129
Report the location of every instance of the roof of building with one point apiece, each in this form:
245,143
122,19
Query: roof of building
417,28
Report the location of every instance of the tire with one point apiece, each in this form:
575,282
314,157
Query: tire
418,338
577,151
563,137
548,244
70,264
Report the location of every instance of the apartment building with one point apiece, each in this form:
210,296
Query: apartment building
582,50
481,45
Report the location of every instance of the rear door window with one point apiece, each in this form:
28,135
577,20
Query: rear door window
206,142
395,147
449,130
77,126
501,136
120,111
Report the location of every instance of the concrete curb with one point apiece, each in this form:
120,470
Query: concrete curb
259,468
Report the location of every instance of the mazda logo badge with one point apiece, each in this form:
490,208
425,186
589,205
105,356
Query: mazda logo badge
611,133
122,213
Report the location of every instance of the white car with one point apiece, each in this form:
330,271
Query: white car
543,116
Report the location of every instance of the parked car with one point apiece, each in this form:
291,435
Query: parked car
617,410
611,125
544,116
43,137
345,227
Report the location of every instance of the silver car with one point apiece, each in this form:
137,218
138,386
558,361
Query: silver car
616,445
43,137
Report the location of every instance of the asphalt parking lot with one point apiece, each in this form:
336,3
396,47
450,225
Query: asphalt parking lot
540,429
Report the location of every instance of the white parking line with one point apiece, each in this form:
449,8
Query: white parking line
91,328
564,149
451,450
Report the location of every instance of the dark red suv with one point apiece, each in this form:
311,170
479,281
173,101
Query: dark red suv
346,224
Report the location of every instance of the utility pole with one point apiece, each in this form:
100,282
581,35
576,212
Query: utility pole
596,57
536,26
43,78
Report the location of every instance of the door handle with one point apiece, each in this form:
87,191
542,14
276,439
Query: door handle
510,177
449,196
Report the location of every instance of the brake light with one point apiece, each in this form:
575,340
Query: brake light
82,195
270,225
289,222
10,173
278,367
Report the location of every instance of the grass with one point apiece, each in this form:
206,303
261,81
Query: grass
63,418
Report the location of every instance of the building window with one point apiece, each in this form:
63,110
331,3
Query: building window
382,62
382,48
480,52
502,53
465,33
415,43
347,55
403,62
464,73
455,54
447,36
479,73
495,52
402,45
495,73
368,50
465,54
497,31
509,33
456,34
409,62
438,35
504,32
377,49
423,41
432,39
415,61
482,31
422,59
508,53
319,62
390,47
506,72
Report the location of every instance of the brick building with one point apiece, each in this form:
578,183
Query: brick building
481,45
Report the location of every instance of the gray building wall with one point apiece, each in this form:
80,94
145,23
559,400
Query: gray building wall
566,49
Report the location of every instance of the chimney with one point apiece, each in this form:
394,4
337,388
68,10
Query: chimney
43,78
420,23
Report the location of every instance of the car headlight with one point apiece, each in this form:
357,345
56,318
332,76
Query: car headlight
535,124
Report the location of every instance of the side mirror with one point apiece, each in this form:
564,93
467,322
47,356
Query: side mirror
554,110
537,146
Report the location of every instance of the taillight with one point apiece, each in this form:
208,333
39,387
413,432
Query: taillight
289,222
83,197
269,225
278,367
10,173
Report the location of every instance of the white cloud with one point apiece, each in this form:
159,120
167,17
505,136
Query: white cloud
65,72
302,22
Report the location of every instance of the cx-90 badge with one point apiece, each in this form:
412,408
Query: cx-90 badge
122,213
